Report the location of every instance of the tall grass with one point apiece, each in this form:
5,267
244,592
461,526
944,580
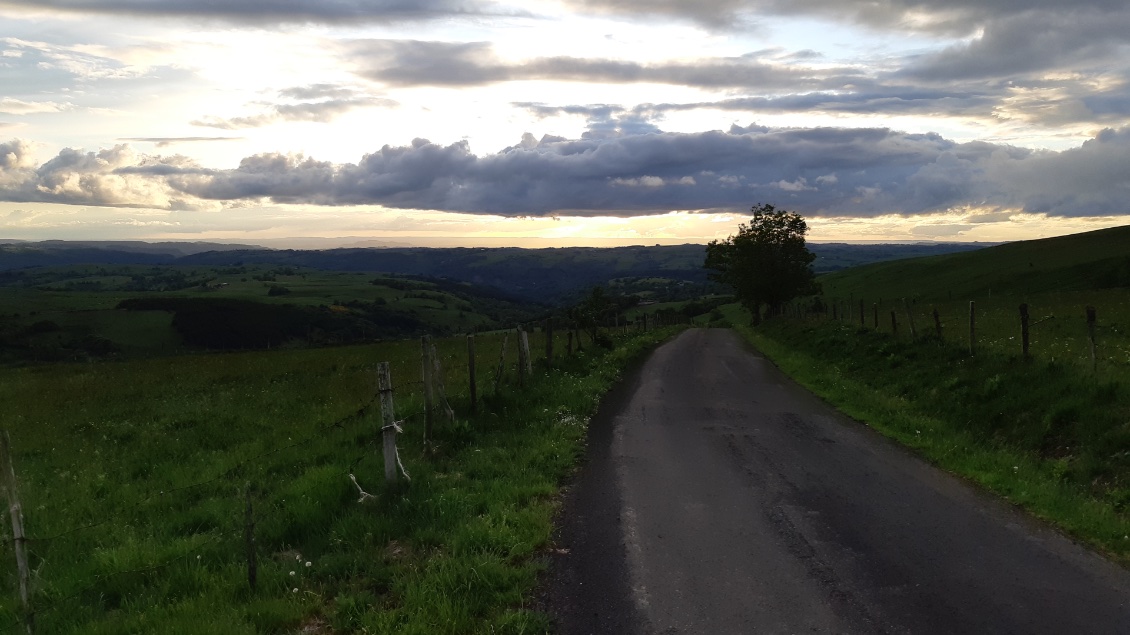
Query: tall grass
133,478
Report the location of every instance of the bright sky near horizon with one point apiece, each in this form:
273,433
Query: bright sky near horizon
579,122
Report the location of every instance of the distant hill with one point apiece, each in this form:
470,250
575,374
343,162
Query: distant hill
541,275
49,253
836,256
1079,262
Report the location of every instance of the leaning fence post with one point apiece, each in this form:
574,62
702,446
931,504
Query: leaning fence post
471,372
1024,330
1091,318
972,325
937,323
388,421
18,538
249,538
894,324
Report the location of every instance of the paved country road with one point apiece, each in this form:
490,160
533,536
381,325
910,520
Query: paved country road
720,497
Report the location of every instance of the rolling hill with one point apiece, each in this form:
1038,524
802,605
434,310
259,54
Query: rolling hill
1079,262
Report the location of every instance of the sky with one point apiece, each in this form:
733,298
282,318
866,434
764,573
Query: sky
579,122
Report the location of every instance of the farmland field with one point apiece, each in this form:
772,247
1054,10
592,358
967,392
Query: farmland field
134,477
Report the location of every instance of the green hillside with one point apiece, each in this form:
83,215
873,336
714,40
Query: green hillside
1046,426
83,311
1080,262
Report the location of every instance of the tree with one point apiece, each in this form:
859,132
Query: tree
593,311
766,262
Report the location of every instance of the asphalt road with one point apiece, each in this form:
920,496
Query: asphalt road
720,497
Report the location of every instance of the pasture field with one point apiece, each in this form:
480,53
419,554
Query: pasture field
72,312
134,477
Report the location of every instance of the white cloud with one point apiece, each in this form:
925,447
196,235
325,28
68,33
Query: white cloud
18,107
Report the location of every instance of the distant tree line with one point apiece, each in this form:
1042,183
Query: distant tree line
228,323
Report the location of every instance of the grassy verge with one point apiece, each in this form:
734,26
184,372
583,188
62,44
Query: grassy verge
1044,435
133,476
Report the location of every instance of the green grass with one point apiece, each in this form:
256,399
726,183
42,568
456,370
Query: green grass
132,476
82,300
1048,435
1079,262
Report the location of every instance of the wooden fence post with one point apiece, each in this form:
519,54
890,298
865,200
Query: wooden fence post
525,362
910,319
16,511
937,323
1091,319
972,326
894,324
249,539
569,345
388,421
471,372
425,351
522,352
875,310
439,388
501,363
862,315
1024,330
549,341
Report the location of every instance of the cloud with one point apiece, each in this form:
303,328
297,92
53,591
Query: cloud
1031,41
17,107
271,11
163,142
949,17
84,178
318,91
312,111
427,63
817,171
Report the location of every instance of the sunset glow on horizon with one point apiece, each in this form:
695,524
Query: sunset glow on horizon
580,122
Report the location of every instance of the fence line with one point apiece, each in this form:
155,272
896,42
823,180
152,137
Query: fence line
995,327
248,512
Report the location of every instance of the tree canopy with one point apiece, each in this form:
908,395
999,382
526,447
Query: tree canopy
766,262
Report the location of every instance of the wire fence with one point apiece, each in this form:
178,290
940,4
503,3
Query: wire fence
50,597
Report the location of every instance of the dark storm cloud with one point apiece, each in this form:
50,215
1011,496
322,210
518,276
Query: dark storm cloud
818,171
422,63
271,11
860,172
